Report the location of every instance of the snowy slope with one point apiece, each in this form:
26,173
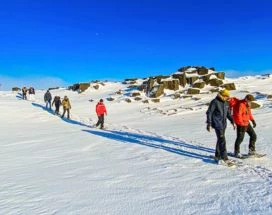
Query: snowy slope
152,159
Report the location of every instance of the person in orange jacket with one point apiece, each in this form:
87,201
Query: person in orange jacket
100,111
242,116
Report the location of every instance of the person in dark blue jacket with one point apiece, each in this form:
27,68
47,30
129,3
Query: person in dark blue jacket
217,115
47,99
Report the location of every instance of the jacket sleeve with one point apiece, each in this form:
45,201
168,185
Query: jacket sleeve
209,112
229,116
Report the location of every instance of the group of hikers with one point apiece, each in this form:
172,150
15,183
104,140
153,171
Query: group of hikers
221,108
31,93
100,107
238,112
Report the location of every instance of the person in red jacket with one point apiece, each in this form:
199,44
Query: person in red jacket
100,111
242,116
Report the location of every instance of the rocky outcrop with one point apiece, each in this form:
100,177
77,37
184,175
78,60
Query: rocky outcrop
15,89
171,84
215,82
155,100
229,86
80,87
134,94
254,105
110,99
137,98
193,91
200,84
157,91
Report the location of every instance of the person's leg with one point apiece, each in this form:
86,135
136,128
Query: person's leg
64,111
221,144
102,121
57,109
239,139
68,113
252,139
99,121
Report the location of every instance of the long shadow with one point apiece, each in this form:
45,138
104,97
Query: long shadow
141,139
149,141
159,139
19,96
71,121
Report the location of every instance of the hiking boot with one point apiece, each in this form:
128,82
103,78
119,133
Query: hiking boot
238,155
251,152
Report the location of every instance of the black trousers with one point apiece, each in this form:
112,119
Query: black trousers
100,121
24,96
57,108
221,149
68,113
241,130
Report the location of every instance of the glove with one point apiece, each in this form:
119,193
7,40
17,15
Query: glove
208,127
254,123
234,126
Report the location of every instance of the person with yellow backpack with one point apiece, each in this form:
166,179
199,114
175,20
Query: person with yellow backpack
66,107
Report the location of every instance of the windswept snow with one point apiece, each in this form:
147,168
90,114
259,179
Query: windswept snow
151,159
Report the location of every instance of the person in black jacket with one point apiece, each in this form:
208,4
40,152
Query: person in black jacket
57,103
217,115
47,99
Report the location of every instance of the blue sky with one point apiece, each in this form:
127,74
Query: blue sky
86,40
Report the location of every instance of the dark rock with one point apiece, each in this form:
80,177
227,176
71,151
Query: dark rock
192,79
110,99
171,84
137,98
15,89
202,71
157,91
155,100
254,105
199,85
128,100
134,94
220,75
193,91
215,82
229,86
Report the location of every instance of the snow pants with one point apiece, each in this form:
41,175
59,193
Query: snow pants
241,130
221,149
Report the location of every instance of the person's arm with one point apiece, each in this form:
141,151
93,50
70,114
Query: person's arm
251,118
209,114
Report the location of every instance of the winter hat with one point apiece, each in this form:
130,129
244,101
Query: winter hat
225,92
250,97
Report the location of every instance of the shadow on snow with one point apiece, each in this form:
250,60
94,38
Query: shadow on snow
156,142
71,121
145,140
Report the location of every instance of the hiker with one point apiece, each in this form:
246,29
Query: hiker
217,115
24,91
47,99
242,115
31,93
100,111
57,103
66,107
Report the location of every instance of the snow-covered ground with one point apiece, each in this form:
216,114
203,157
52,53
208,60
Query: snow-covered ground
151,159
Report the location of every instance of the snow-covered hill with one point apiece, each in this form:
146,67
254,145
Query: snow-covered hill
152,158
